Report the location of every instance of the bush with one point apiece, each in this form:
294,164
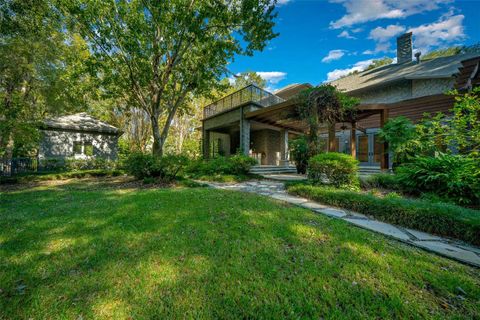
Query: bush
453,177
340,170
381,180
166,168
89,164
438,218
235,165
299,152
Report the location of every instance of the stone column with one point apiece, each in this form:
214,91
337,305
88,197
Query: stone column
206,143
353,140
244,135
284,154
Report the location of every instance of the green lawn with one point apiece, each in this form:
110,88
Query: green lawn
72,250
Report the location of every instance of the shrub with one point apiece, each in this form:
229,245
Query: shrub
235,165
299,152
240,164
381,180
452,177
166,168
338,169
438,218
89,164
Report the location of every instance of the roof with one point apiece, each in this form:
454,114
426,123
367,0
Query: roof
439,68
291,90
80,122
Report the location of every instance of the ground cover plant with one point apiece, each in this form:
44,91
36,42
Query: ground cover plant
77,251
222,169
438,218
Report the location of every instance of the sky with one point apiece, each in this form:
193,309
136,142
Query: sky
321,40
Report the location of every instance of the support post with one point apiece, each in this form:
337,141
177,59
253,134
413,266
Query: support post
244,134
284,154
206,142
353,140
331,137
384,165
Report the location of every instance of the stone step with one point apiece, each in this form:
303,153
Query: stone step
272,169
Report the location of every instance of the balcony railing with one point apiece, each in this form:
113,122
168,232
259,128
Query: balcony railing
250,93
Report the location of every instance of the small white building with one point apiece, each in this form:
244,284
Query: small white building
78,136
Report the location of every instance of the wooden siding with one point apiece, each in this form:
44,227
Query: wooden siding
412,109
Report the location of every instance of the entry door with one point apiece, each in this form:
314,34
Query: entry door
369,149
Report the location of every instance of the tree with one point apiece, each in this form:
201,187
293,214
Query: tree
160,53
244,79
40,72
379,62
324,104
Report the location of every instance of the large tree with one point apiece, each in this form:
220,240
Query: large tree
42,72
160,53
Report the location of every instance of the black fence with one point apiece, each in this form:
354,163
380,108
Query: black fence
15,166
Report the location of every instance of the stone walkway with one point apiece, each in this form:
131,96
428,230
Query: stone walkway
445,247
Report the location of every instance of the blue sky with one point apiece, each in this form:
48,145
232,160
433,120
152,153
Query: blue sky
321,40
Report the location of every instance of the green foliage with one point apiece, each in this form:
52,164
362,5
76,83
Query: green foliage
234,165
165,169
400,134
442,219
161,53
379,62
299,153
381,180
451,51
452,177
89,163
339,169
324,104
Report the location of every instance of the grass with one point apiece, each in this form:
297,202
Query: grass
76,250
60,175
228,178
434,217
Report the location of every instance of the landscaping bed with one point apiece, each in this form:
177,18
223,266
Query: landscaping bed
438,218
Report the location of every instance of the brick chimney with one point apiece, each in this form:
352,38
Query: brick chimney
404,48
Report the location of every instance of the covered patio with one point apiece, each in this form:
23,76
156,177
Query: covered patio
286,117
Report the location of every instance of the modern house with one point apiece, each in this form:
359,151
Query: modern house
78,136
259,123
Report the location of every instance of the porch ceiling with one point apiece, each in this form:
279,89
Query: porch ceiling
284,115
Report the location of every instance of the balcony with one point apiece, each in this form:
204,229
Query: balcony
250,93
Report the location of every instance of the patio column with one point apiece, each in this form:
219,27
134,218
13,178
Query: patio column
384,165
206,143
353,140
331,137
284,154
244,135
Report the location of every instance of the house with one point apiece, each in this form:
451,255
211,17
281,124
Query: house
78,136
259,123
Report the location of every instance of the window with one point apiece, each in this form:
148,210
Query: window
77,148
83,148
88,149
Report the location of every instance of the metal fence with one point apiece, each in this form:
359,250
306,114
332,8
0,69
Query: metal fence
250,93
14,166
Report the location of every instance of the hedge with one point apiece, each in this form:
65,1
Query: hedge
437,218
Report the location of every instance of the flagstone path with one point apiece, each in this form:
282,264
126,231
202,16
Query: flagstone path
442,246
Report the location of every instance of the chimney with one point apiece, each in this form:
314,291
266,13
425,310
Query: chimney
404,48
417,56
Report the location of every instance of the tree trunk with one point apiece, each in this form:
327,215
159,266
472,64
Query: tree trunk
157,149
331,137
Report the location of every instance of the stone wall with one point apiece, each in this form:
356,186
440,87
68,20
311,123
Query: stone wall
59,144
266,143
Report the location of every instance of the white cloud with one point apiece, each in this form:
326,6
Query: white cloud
333,55
345,34
359,11
382,37
272,77
448,29
380,34
282,2
338,73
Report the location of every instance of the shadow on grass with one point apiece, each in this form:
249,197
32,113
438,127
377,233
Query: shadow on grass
71,250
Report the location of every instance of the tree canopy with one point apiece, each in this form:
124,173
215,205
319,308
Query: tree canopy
160,53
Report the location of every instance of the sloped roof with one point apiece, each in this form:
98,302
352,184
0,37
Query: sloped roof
439,68
292,89
80,122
